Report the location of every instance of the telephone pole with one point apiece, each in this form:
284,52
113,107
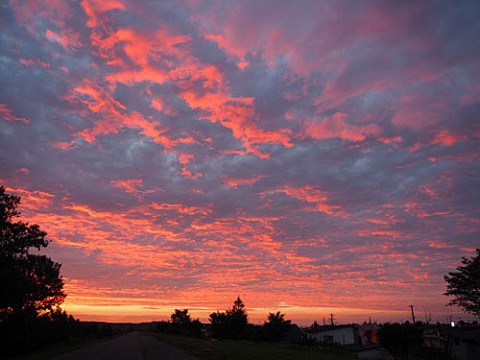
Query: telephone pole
413,314
332,320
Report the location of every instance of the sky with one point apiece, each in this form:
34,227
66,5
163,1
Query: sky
311,157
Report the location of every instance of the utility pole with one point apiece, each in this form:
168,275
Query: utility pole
332,320
413,314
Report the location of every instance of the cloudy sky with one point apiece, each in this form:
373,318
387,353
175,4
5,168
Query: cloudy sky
311,156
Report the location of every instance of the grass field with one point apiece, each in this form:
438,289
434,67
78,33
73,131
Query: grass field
239,350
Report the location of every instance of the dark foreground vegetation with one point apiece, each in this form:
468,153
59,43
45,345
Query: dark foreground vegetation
229,335
204,348
31,288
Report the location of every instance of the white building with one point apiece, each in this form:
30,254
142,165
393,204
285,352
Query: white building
342,335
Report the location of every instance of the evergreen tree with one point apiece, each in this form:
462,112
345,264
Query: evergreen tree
232,323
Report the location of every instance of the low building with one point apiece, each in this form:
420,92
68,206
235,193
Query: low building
341,335
295,335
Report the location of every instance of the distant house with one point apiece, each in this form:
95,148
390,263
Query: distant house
341,335
465,345
294,335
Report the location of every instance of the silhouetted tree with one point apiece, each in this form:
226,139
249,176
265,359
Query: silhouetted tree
182,323
276,327
27,281
219,324
238,318
464,285
230,324
30,284
181,317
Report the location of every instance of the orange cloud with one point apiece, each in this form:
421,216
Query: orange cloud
336,126
69,42
237,114
62,145
314,196
235,182
189,210
32,199
130,186
217,104
95,8
447,138
232,49
141,50
115,116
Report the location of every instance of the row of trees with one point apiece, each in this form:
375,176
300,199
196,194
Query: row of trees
230,324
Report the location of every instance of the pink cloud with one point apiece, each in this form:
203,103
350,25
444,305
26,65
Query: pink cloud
448,138
96,8
336,126
235,182
7,114
317,199
130,185
417,112
37,62
115,116
69,42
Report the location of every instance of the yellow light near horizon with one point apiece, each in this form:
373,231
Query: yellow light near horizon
153,312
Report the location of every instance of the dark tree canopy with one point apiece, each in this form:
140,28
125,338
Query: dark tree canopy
464,285
28,282
232,323
180,317
276,327
238,313
182,323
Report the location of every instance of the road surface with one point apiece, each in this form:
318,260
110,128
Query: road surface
133,346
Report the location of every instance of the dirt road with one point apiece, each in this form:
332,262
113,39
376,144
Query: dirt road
133,346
